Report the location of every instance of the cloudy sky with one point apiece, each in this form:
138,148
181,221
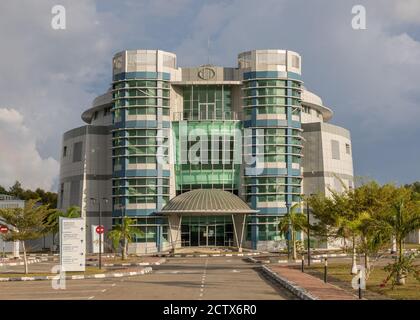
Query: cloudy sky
370,78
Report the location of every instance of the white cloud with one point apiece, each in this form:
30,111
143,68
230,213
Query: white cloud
408,11
19,157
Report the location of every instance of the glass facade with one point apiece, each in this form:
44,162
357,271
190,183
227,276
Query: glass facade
207,102
139,141
272,110
205,128
207,231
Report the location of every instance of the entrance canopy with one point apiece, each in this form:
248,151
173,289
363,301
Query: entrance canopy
211,204
207,202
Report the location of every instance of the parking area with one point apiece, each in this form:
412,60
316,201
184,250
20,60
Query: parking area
179,279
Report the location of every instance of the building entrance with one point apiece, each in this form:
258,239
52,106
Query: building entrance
207,231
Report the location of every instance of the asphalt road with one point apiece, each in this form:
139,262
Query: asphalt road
224,278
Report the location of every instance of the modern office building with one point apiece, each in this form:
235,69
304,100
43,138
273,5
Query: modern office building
203,156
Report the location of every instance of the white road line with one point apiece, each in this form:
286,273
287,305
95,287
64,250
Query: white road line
62,298
113,285
59,292
90,298
103,290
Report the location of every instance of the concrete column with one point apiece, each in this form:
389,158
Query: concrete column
239,227
174,231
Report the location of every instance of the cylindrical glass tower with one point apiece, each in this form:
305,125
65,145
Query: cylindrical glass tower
141,128
272,122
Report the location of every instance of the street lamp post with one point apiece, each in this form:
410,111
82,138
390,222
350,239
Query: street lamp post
308,232
100,224
289,235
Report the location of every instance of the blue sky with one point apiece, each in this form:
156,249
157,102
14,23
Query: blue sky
370,78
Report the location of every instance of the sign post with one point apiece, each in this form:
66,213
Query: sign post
72,244
100,230
4,229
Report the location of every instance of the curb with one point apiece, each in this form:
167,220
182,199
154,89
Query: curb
214,255
43,255
329,255
128,264
250,259
14,264
81,277
301,293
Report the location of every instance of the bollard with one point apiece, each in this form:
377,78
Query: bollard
325,270
360,289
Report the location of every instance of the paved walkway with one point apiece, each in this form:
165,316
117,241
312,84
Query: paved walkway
317,287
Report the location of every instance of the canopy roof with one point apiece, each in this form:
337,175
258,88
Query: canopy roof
207,201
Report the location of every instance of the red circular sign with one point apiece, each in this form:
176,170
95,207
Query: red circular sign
3,229
100,229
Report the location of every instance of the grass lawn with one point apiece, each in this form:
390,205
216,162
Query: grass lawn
410,291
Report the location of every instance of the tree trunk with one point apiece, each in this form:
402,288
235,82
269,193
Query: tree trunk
353,259
400,275
124,249
25,260
294,245
394,245
367,265
345,244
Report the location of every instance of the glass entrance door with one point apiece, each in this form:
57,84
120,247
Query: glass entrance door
194,236
211,236
202,239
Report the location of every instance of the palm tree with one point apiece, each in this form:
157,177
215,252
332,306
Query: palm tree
123,232
399,219
291,223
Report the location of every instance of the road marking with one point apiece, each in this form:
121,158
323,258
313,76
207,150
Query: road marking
113,285
52,291
103,290
63,298
90,298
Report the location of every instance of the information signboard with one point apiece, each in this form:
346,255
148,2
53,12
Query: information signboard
72,244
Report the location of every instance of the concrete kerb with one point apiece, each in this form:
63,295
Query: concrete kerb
21,263
253,260
157,263
82,277
329,255
301,293
212,255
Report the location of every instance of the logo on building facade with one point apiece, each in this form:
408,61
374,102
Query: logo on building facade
206,73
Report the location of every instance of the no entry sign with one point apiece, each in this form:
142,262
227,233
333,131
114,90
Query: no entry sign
100,229
3,229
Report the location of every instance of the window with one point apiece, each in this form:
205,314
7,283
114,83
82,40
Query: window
77,151
295,62
335,149
61,195
347,148
65,151
95,115
75,193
